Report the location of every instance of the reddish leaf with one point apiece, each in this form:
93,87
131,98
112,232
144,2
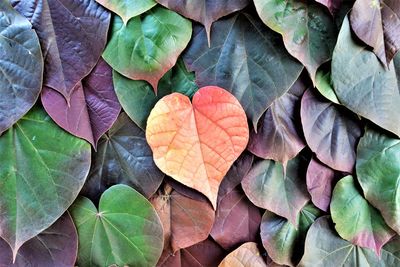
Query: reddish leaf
330,130
204,11
377,24
187,218
278,136
93,106
320,181
203,254
72,34
55,246
197,144
247,255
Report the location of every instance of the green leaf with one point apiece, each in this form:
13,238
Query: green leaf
308,30
268,186
324,248
355,219
42,170
245,58
138,98
127,9
125,230
21,66
324,86
282,241
149,45
378,171
363,84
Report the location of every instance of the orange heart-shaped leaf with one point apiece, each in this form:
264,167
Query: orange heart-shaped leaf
197,143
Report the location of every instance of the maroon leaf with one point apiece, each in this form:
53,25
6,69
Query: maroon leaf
72,33
204,11
377,24
203,254
93,108
187,217
320,182
278,136
330,130
55,246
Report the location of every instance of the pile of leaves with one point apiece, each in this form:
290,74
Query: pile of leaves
199,133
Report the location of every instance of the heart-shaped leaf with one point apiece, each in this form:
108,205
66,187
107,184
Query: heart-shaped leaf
369,229
21,66
308,30
246,59
376,23
247,255
149,45
282,241
278,136
93,106
72,35
42,170
324,247
320,183
125,230
378,171
281,191
330,130
123,157
204,254
237,220
187,217
127,9
138,97
205,11
197,143
55,246
363,85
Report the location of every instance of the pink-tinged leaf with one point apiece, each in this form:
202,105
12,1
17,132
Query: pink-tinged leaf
204,254
55,246
247,255
93,106
332,5
186,215
279,134
205,11
320,181
72,33
331,131
377,24
283,192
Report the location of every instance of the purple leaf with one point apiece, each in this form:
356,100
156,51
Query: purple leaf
93,108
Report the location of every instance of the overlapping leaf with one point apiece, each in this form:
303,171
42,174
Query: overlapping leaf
72,34
42,170
21,66
246,59
124,231
279,135
324,85
55,246
93,106
369,229
247,255
308,30
123,157
148,45
330,131
378,171
197,143
376,23
127,9
282,240
332,5
281,191
363,85
323,247
138,97
205,11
